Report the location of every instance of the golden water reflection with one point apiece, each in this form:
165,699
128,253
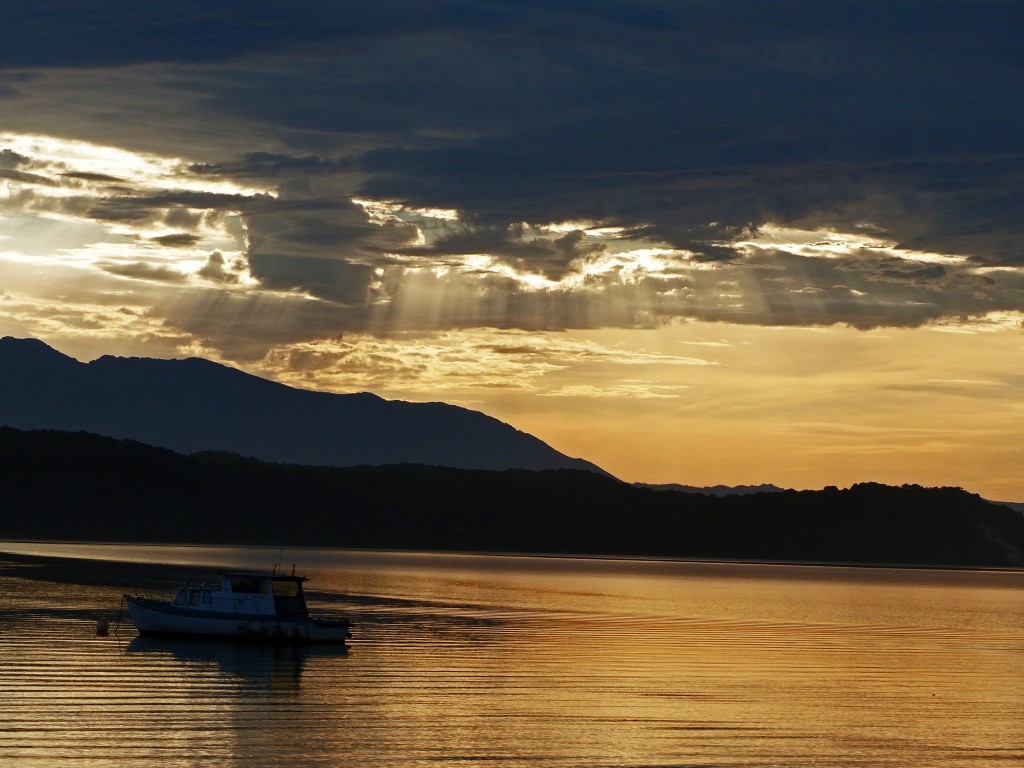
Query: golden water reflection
528,661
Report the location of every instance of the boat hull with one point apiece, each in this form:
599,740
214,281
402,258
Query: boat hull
154,617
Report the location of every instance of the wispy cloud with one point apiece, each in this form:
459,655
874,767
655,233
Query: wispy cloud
490,359
637,389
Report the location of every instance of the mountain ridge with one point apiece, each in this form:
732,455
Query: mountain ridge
712,490
195,404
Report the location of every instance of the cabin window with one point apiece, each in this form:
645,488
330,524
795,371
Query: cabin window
249,585
179,599
207,597
193,597
286,589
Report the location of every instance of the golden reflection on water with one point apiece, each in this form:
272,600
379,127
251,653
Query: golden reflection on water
527,661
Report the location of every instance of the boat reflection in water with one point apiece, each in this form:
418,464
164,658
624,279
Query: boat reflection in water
245,605
277,667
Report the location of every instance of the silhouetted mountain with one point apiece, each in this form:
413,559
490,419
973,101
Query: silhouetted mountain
712,490
195,405
76,486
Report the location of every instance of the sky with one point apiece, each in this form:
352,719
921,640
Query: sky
701,241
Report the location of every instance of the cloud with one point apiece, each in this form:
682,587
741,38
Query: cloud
483,359
104,33
177,239
10,160
26,178
334,279
674,139
88,176
272,166
142,271
633,389
218,270
518,246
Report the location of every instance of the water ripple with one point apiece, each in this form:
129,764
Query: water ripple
525,663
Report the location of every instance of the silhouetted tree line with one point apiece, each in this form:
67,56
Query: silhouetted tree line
78,486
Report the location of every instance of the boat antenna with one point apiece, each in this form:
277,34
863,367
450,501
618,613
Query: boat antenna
277,562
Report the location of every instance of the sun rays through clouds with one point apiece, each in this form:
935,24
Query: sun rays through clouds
693,226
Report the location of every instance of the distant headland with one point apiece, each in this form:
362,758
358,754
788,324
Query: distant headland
78,486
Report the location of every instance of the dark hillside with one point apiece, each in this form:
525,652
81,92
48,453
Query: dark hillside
77,486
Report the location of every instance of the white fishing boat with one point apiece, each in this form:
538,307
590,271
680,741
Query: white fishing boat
243,606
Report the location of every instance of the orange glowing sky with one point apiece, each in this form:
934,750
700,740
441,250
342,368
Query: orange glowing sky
610,239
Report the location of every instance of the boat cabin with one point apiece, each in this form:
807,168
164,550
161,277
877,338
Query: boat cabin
268,595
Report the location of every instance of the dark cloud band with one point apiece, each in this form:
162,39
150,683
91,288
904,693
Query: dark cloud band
684,126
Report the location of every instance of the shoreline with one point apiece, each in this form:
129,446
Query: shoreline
100,558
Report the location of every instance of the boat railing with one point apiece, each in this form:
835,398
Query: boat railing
244,603
155,593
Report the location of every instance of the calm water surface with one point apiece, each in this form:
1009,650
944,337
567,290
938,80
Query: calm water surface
494,661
